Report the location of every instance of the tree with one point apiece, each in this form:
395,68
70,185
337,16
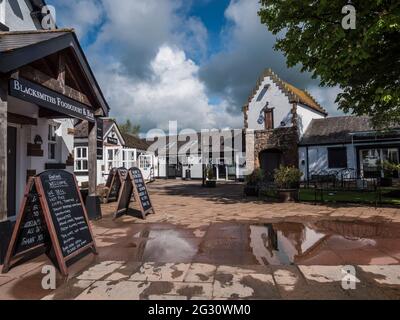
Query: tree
364,62
129,128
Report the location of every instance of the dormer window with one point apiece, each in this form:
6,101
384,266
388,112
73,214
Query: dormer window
263,92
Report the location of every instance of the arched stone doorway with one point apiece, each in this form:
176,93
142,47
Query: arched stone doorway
270,160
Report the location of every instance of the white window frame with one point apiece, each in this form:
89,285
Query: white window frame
52,142
129,162
145,162
116,161
81,159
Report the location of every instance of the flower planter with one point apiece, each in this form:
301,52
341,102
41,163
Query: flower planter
251,191
211,183
288,195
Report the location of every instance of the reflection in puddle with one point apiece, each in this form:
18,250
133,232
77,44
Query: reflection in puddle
165,246
287,243
282,243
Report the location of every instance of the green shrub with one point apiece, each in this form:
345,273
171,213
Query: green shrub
287,177
255,177
210,173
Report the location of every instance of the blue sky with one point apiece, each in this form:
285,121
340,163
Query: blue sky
191,61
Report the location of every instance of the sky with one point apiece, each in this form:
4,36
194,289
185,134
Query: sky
191,61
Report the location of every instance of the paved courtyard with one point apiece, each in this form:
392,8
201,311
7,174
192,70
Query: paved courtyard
216,244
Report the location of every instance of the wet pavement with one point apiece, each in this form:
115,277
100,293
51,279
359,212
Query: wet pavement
215,244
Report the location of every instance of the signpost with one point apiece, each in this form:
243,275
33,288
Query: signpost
53,217
134,185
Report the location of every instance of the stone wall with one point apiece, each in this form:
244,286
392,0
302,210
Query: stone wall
283,139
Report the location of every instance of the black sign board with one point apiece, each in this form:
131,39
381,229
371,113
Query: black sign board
46,98
135,185
112,140
33,232
115,180
99,137
66,210
52,215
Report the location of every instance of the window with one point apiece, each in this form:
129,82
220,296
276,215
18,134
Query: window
81,159
372,162
113,158
128,158
262,93
144,162
52,141
337,157
269,119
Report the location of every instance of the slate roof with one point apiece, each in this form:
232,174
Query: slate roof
13,40
294,94
335,130
81,129
134,142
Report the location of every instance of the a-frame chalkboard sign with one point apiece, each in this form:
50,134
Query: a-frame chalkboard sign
53,217
115,179
134,185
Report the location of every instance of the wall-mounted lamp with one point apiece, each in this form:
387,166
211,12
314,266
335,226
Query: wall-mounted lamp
38,140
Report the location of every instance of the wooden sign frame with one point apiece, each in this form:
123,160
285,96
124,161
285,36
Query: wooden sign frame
48,221
135,194
116,175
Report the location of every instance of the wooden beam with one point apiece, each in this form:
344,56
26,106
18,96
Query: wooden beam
20,119
92,158
61,71
3,149
53,84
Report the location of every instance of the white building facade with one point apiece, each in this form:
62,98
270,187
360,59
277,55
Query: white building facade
275,119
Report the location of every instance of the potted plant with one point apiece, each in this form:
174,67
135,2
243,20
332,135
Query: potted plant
287,180
253,180
211,182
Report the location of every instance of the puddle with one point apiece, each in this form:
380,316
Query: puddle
325,242
281,243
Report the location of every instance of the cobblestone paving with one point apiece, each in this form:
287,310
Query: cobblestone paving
214,244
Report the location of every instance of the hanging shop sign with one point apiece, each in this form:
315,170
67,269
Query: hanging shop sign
99,138
46,98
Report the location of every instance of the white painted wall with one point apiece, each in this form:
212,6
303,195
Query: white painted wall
318,158
26,134
276,99
17,15
3,11
304,117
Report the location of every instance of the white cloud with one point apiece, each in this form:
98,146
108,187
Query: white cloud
80,14
173,92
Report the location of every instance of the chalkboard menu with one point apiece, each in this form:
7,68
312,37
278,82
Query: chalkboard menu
141,188
114,182
67,211
124,197
52,215
33,232
135,185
